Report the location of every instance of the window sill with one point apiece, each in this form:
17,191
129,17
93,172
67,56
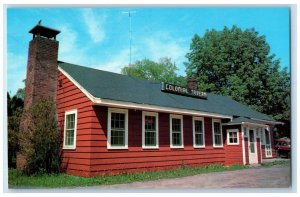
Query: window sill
177,147
218,146
199,147
233,144
150,147
117,147
69,148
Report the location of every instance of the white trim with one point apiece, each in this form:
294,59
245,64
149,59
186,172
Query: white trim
145,113
91,97
73,111
109,102
270,143
213,133
194,136
181,124
245,123
237,134
115,110
255,145
243,144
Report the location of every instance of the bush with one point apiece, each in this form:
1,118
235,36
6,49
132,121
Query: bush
40,142
12,136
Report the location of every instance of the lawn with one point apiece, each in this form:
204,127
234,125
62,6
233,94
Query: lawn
17,180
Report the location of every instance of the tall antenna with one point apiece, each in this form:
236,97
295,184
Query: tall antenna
130,32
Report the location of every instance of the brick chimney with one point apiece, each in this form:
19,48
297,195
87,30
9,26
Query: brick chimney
192,83
41,77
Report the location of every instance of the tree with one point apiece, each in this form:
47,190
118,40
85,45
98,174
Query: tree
238,64
14,112
13,136
40,143
162,71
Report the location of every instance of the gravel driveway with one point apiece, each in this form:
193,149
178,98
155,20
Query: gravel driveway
273,177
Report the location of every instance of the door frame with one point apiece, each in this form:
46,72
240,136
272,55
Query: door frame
255,154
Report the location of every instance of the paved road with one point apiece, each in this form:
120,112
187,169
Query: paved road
273,177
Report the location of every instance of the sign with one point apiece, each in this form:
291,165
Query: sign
166,87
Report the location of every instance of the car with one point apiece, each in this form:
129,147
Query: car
283,147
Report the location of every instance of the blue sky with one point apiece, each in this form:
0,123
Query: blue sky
99,37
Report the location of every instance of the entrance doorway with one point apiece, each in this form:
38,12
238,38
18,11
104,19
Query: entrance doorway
252,147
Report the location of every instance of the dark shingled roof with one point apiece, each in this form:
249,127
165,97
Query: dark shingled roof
239,120
108,85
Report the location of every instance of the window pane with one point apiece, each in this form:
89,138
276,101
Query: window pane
70,121
267,137
199,139
176,124
176,139
117,137
69,137
198,126
117,121
217,129
217,134
150,138
218,140
150,123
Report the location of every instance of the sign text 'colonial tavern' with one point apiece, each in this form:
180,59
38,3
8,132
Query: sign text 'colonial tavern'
166,87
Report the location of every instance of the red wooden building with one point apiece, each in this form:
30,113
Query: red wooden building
113,123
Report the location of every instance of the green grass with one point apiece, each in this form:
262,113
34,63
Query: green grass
18,180
276,163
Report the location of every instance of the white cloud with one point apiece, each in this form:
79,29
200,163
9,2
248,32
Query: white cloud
115,63
163,45
94,24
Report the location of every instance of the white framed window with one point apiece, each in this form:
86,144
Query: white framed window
117,128
150,130
70,129
198,132
245,131
217,133
176,131
233,137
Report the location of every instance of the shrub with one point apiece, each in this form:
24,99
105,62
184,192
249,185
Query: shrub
12,136
40,142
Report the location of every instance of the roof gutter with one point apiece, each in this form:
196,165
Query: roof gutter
245,123
123,104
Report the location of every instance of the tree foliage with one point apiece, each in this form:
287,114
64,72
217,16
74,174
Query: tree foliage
14,113
40,143
238,64
162,71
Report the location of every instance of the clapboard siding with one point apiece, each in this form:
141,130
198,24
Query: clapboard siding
233,153
118,161
258,147
69,97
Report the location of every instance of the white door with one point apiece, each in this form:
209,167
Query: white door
268,149
252,147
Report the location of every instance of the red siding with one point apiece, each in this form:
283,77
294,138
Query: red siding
263,152
258,150
246,150
136,159
233,153
69,97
